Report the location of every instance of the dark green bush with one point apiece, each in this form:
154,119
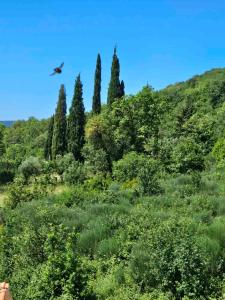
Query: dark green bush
7,171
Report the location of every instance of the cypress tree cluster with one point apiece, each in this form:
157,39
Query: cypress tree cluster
76,122
116,88
48,144
67,135
59,144
96,104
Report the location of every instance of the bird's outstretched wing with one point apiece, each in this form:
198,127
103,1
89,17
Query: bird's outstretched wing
52,74
62,64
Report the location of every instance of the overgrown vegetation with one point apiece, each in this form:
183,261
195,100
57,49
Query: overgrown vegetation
129,206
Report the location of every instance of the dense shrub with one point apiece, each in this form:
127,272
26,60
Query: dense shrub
19,191
30,167
7,171
170,259
44,263
62,163
218,151
75,173
143,168
187,156
96,160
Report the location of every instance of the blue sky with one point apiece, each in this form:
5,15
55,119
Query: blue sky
158,41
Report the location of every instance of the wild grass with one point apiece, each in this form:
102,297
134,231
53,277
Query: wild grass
3,195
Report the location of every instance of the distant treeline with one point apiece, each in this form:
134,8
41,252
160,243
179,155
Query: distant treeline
7,123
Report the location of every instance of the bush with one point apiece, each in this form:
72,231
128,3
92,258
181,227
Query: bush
21,192
96,159
140,167
187,184
7,171
30,167
187,156
63,162
98,182
75,173
172,260
45,263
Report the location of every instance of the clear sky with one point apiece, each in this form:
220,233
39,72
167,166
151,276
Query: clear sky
158,41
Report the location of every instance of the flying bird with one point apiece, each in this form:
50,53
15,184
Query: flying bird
58,70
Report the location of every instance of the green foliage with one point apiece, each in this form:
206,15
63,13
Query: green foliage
2,145
30,167
76,122
187,155
75,173
218,151
98,182
186,110
59,143
127,126
188,184
122,89
60,275
7,170
96,102
200,128
48,144
116,245
215,92
96,160
62,163
128,167
123,223
97,150
25,139
44,260
140,167
16,153
19,191
171,260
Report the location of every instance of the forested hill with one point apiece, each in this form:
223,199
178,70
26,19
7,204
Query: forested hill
194,110
7,123
124,202
216,74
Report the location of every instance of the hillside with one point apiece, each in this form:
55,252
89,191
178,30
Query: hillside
137,215
195,108
199,80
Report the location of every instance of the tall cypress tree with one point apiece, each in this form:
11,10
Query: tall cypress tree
76,121
96,104
48,144
114,90
59,143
